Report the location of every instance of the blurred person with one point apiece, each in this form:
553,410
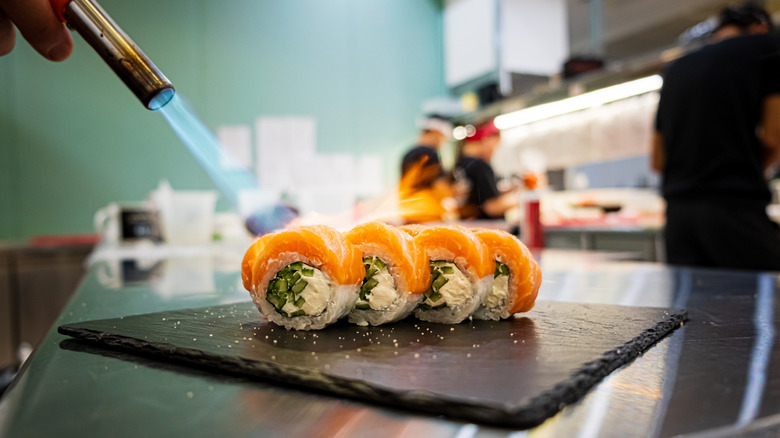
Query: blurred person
435,132
424,191
38,25
475,179
717,131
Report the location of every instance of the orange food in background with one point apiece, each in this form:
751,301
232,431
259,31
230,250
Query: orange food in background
422,196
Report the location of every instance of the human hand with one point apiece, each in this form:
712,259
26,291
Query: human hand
38,25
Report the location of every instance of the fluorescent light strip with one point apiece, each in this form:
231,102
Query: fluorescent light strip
577,103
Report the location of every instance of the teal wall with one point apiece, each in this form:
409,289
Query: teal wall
73,138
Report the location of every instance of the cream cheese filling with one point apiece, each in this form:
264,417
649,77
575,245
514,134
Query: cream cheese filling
383,294
455,292
498,294
303,289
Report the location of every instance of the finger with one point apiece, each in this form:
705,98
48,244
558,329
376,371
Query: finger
7,34
40,27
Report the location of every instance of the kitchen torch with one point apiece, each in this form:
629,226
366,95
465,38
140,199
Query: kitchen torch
143,78
154,90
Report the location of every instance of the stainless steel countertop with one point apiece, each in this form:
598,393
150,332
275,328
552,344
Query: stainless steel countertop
719,375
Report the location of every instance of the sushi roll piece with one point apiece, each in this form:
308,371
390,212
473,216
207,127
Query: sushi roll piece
516,278
396,274
306,277
461,274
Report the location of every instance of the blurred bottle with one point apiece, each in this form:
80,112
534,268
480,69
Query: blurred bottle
532,231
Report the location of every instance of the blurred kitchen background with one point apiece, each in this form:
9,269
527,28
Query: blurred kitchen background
320,99
337,82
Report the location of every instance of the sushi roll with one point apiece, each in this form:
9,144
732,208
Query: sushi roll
396,274
306,277
516,278
461,274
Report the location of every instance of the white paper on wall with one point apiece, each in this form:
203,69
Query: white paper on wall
368,175
324,183
322,170
303,135
236,144
281,142
272,170
338,169
331,199
307,172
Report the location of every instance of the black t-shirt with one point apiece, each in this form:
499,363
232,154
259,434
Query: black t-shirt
432,168
483,187
710,106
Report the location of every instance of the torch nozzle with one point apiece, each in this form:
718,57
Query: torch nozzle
143,78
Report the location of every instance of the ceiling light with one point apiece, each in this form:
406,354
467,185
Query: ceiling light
581,102
459,133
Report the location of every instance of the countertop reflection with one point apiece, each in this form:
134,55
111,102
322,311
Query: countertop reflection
719,375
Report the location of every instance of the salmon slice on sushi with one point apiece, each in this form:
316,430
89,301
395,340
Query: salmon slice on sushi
461,274
396,274
413,229
516,278
304,278
250,257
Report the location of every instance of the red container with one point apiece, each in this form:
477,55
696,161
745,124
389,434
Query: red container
532,231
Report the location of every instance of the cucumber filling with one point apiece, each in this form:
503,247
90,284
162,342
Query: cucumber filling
499,292
378,289
449,286
299,290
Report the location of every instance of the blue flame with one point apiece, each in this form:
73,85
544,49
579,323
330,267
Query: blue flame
231,178
161,98
223,168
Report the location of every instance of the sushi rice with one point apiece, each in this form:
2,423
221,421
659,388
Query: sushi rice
495,305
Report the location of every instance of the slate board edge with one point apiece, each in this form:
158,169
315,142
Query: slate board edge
522,416
591,373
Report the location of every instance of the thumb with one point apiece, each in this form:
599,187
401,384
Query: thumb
37,23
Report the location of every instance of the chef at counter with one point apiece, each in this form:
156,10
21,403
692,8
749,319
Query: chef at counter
714,138
474,176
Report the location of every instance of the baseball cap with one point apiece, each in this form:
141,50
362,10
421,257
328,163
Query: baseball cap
483,132
434,122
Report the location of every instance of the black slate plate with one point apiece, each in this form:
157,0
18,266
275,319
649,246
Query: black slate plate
513,373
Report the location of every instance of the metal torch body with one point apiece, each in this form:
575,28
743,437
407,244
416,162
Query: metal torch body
135,69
